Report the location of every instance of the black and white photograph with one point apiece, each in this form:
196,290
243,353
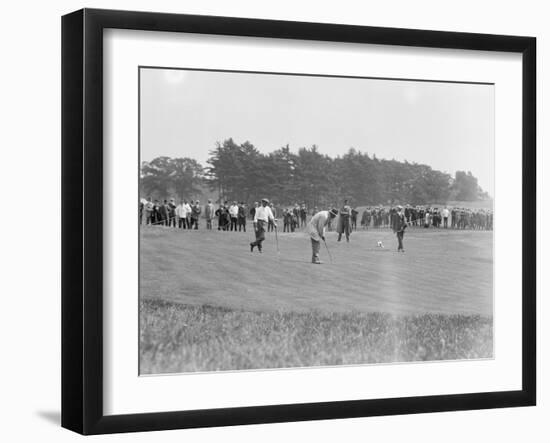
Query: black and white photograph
248,222
294,221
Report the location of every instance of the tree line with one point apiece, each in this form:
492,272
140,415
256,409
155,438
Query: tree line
241,172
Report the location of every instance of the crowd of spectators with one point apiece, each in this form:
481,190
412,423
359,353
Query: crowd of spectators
232,216
429,216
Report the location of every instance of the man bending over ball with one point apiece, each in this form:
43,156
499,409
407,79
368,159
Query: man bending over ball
316,230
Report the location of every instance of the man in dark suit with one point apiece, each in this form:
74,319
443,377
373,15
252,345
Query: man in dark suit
287,220
163,211
195,214
156,213
172,213
241,217
223,217
344,226
303,215
399,223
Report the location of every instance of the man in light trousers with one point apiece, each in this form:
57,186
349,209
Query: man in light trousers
316,228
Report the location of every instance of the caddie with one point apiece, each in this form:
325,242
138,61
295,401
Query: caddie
262,216
316,228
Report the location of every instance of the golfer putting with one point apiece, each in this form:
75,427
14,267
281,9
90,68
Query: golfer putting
316,228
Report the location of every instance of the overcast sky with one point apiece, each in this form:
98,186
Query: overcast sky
445,125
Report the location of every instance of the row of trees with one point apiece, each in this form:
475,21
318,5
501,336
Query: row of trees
165,176
242,172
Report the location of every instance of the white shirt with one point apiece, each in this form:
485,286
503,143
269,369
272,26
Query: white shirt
233,210
263,213
445,212
183,210
317,225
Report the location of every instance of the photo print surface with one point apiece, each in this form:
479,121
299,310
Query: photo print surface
293,221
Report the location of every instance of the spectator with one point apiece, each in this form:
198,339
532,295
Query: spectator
234,215
241,217
445,214
209,214
195,214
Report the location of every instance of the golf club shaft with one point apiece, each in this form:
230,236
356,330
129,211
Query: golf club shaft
276,239
328,251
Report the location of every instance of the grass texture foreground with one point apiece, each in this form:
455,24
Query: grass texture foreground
182,338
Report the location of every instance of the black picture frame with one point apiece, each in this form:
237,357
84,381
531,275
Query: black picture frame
82,218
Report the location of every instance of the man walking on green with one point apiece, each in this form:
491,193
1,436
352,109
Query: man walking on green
399,223
262,216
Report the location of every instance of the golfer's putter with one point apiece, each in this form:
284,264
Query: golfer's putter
329,255
277,242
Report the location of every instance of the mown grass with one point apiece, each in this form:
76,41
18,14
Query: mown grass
190,338
447,272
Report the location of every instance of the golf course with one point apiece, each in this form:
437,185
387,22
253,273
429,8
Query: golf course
208,304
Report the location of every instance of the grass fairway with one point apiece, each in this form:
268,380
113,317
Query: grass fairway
207,303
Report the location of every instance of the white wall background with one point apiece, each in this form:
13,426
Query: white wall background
30,228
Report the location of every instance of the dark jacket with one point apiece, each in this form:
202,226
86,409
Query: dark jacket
399,223
195,212
343,222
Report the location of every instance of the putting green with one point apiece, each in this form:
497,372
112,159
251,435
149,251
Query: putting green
442,271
